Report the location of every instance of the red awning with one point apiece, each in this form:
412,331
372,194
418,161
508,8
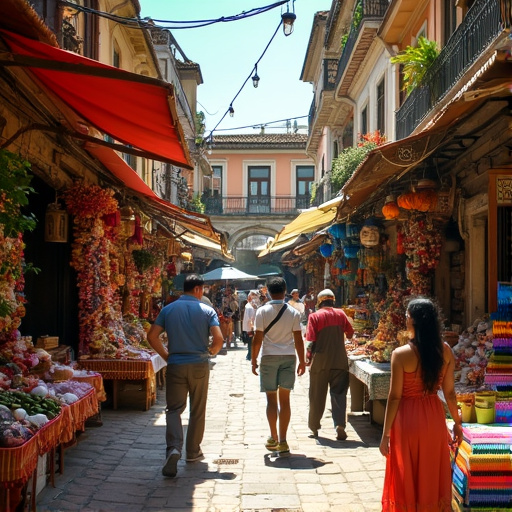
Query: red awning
193,227
137,110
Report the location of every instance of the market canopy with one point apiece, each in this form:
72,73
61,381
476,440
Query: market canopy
191,227
227,274
309,221
449,133
137,110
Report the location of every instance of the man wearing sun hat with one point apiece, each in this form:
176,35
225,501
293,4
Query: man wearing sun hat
327,356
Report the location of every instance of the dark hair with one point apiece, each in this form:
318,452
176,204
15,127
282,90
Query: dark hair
276,285
425,316
191,281
327,303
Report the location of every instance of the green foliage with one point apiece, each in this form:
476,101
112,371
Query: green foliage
415,61
314,188
14,191
357,17
200,126
196,205
347,162
143,260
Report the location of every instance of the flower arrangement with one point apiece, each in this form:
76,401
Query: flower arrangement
89,201
422,244
14,191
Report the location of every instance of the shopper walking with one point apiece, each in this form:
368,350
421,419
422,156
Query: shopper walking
296,303
188,323
278,335
248,321
327,356
414,439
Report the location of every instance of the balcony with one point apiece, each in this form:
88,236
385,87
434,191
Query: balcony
262,205
367,17
479,29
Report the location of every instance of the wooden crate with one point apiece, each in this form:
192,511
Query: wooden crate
136,394
47,342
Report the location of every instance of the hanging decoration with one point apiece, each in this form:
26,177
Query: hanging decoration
390,209
100,320
422,245
326,250
338,230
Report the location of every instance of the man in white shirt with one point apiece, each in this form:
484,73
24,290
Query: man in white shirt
278,334
248,320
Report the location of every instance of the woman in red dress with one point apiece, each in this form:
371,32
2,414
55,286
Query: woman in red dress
415,440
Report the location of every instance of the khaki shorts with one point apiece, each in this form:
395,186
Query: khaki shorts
277,372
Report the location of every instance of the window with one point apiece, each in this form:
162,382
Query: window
91,31
216,187
212,195
450,19
116,58
335,149
258,196
381,107
364,121
305,174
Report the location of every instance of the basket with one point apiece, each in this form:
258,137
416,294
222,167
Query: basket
484,415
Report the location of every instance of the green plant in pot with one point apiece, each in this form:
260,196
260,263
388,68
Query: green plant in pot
416,60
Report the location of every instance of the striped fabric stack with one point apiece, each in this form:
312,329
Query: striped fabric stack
482,469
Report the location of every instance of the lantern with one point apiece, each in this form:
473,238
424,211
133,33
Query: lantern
55,224
338,230
326,250
390,209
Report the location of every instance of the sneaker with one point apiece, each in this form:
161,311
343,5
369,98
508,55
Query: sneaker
283,450
341,435
271,444
195,458
170,468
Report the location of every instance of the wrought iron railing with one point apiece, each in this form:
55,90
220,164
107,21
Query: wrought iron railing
478,30
369,10
260,205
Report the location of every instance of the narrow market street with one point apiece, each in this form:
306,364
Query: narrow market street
117,467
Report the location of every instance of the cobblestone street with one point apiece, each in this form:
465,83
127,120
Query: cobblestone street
117,467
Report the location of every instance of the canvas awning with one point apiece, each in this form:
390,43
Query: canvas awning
191,227
309,221
136,110
450,132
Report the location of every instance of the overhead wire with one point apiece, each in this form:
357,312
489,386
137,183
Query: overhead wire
172,24
230,109
257,125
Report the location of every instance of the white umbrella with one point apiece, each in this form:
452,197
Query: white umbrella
227,274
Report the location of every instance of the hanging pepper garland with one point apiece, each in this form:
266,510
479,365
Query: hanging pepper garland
100,332
422,246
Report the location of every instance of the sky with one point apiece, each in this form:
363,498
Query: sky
228,51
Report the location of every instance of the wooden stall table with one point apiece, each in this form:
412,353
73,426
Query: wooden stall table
369,386
19,464
133,380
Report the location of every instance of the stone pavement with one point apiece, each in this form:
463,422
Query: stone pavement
117,467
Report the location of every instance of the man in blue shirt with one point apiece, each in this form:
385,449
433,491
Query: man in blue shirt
188,323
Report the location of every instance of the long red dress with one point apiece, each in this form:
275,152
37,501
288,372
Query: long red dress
418,470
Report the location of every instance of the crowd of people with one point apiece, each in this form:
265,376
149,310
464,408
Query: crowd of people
414,439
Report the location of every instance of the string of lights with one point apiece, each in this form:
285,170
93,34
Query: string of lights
287,20
172,24
231,110
259,125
